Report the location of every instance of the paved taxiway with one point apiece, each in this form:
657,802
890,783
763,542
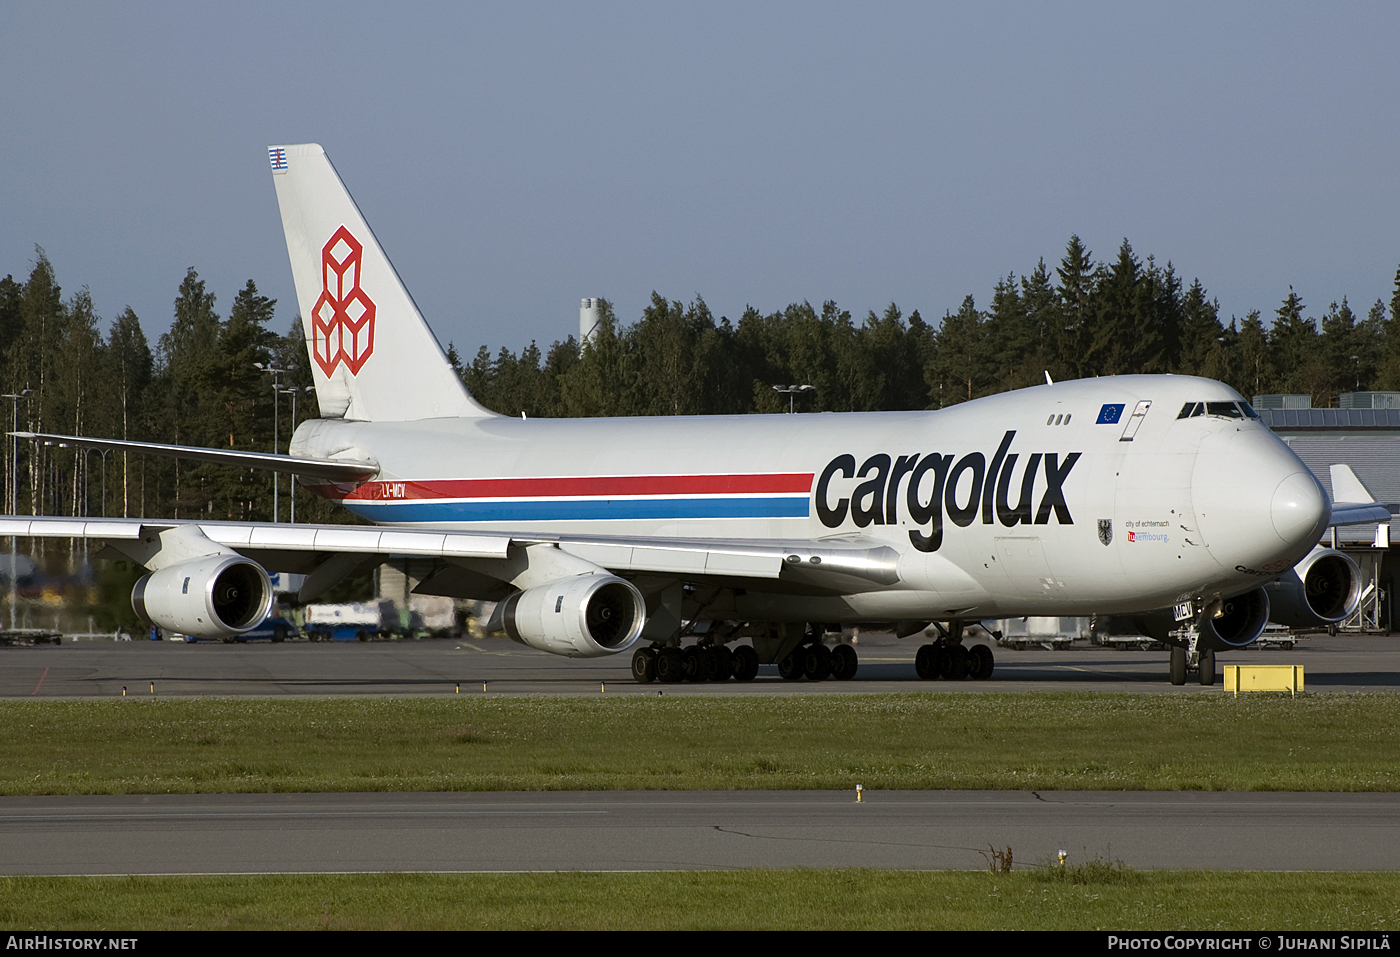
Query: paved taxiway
632,831
104,668
266,833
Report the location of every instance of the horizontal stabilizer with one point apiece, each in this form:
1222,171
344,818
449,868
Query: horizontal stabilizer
328,470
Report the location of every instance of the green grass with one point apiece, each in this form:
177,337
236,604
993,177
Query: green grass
747,899
896,741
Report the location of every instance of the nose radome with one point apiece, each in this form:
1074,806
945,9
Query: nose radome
1300,509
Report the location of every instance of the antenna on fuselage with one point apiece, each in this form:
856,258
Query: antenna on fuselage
1048,380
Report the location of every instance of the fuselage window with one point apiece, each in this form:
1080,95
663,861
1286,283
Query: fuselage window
1067,415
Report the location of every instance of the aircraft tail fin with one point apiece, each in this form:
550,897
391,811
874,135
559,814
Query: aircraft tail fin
373,357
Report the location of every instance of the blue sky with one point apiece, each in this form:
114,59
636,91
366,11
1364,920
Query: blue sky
513,158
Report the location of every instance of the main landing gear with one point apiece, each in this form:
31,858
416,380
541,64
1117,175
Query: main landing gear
671,664
947,658
817,662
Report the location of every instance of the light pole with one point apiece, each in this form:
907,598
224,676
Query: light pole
275,371
13,499
293,393
791,391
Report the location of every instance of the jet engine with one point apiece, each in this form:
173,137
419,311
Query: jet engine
585,616
1241,620
1323,589
218,596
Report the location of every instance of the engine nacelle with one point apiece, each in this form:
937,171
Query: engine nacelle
1241,620
1323,589
584,616
215,597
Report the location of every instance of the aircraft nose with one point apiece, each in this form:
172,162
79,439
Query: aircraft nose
1299,508
1258,505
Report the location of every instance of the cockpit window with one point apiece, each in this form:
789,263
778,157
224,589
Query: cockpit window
1229,410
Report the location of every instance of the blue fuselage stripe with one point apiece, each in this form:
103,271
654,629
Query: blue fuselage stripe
586,510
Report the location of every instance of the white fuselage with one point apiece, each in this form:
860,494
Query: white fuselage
1119,512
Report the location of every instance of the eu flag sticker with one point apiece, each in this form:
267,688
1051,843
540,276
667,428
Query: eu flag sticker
1110,413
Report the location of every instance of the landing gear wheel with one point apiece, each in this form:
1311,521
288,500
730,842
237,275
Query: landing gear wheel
926,662
953,665
745,663
644,665
724,664
694,663
790,668
670,666
1207,667
980,663
844,662
816,663
1176,668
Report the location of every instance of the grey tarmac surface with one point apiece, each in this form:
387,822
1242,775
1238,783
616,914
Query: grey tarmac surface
271,833
431,667
649,831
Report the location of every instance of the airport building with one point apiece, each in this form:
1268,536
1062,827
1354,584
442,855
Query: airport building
1364,433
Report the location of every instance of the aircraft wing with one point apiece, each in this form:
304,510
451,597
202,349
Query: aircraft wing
328,552
332,470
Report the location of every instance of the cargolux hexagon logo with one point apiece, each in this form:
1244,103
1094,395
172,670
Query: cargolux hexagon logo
342,322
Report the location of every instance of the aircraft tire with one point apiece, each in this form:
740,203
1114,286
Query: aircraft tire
724,663
790,668
745,663
926,662
1176,668
692,665
1206,667
980,663
953,663
961,662
844,662
644,665
816,664
670,666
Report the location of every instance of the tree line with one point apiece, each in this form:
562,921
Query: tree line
205,380
1085,319
202,383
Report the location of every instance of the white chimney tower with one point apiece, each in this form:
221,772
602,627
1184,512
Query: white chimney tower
588,320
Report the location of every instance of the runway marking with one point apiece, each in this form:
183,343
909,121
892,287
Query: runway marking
41,681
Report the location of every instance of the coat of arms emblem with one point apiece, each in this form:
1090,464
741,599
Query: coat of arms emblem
1106,530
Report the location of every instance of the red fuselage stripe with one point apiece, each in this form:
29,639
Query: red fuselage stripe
601,485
